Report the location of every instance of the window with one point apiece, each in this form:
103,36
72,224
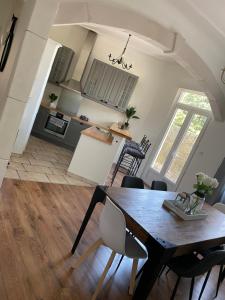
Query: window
189,119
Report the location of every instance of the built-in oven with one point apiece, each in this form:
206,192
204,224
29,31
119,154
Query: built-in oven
57,124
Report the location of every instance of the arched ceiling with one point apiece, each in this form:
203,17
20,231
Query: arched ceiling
199,45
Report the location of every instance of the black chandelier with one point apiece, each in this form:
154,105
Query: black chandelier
120,59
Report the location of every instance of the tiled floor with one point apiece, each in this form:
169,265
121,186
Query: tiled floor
44,162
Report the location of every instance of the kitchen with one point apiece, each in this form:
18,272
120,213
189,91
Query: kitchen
77,98
60,120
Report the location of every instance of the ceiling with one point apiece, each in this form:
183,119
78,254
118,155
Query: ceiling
136,43
200,22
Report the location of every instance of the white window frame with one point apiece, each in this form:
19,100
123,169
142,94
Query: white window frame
191,112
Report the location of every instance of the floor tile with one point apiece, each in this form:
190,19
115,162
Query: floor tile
32,176
60,165
46,157
57,178
10,173
16,166
75,181
21,160
57,171
43,163
38,169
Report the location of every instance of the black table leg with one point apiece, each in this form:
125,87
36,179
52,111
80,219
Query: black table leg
159,254
98,196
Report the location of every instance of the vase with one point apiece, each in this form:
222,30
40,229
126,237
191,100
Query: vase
196,203
53,104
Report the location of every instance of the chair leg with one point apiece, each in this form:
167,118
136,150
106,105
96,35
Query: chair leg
167,272
219,280
91,249
140,271
101,280
223,276
204,284
192,287
175,288
162,270
133,276
121,258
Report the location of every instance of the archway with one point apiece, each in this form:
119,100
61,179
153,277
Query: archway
169,42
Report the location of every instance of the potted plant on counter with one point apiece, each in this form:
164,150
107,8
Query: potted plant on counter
130,114
53,97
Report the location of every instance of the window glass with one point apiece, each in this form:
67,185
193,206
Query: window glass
185,147
169,139
195,100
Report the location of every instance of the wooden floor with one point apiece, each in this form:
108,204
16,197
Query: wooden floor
38,222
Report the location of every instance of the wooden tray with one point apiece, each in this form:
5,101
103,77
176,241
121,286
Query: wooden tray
170,205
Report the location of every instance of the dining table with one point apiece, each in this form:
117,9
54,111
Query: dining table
163,233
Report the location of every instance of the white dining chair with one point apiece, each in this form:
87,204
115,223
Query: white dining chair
115,236
220,207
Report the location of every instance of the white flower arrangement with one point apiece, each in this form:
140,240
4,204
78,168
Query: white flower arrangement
205,184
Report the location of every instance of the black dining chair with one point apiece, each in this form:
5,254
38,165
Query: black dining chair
190,266
132,182
159,185
221,208
221,275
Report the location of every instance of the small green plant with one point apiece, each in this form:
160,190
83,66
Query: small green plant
53,97
130,114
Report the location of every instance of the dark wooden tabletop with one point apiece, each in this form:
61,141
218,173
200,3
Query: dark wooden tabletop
144,209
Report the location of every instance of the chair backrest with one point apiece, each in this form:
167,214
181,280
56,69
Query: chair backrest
212,259
132,182
113,227
220,207
159,185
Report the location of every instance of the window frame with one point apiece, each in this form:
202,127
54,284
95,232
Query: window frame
191,111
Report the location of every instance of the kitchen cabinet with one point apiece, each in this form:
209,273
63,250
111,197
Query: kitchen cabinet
109,85
72,135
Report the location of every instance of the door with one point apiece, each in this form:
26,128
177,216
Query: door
181,138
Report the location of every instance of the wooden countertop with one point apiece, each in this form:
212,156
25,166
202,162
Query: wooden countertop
97,134
120,132
75,117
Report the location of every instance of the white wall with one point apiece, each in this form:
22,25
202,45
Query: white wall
36,95
8,8
208,156
72,36
17,80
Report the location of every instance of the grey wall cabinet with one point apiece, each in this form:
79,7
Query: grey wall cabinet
109,85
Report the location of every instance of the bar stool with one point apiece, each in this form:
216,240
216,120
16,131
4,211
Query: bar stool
131,157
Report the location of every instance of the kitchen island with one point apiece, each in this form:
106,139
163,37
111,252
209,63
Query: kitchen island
96,151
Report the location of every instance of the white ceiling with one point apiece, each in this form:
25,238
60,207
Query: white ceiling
212,11
200,22
136,43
